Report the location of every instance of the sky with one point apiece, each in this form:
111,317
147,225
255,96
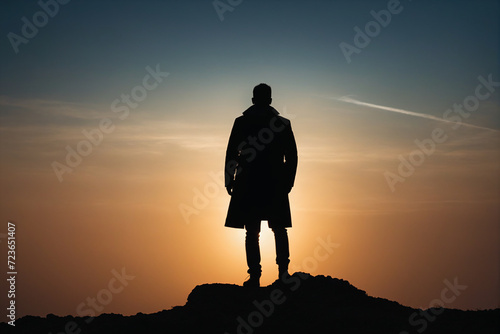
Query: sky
115,117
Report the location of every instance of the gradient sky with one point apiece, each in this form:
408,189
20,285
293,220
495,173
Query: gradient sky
121,207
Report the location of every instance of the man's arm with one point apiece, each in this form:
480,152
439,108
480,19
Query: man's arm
231,159
291,157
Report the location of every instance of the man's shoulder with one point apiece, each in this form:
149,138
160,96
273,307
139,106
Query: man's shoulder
286,121
239,120
276,118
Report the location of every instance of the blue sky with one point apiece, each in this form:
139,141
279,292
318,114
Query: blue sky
98,47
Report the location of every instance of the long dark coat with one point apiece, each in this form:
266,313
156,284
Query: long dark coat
261,162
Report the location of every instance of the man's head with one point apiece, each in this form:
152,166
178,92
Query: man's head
262,95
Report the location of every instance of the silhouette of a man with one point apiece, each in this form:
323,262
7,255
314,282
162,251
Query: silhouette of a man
260,167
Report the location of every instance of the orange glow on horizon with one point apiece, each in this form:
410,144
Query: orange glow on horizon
120,209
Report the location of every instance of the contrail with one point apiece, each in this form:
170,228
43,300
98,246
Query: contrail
348,99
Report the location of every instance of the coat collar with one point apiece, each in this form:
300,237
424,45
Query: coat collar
258,110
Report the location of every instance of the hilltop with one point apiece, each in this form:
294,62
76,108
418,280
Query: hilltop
300,304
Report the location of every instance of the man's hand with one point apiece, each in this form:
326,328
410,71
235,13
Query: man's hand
229,187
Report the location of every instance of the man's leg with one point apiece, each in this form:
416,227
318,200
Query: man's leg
252,249
282,250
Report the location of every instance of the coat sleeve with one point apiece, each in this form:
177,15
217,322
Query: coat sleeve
232,154
291,157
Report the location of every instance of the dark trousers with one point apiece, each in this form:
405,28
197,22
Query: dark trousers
253,249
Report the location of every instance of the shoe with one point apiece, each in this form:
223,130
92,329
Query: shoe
252,282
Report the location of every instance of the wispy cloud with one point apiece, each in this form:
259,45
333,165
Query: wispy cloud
348,99
28,109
